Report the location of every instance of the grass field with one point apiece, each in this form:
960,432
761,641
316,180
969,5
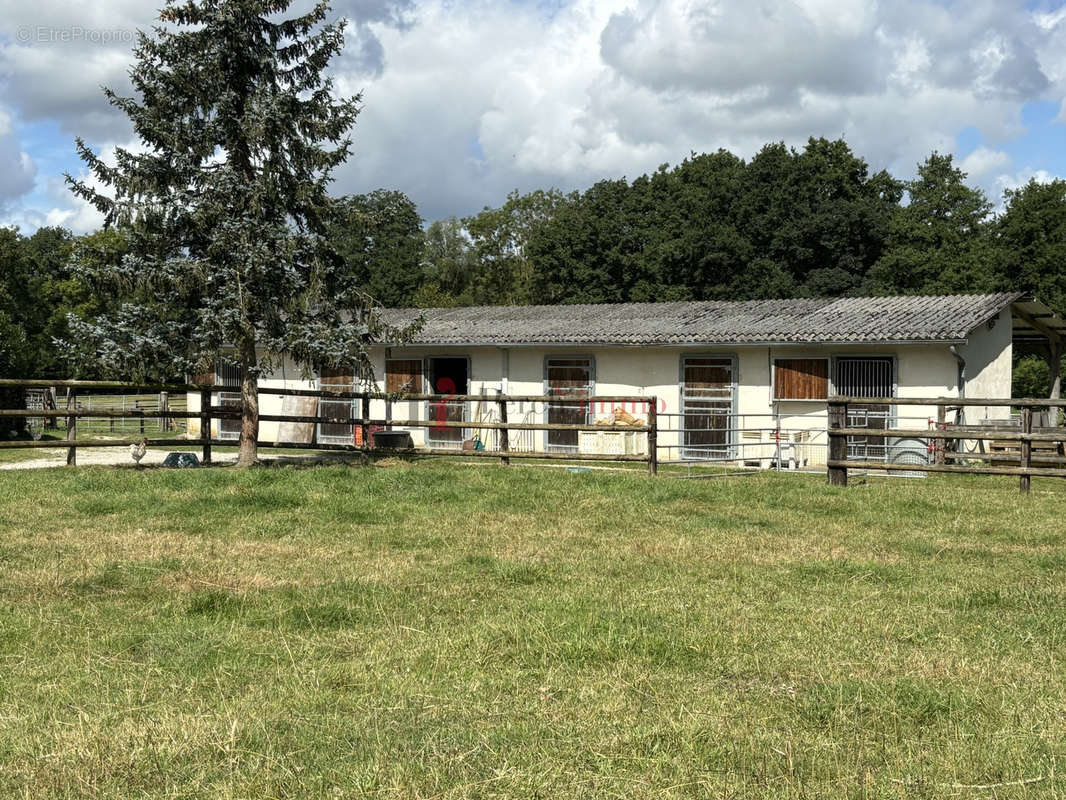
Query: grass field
437,630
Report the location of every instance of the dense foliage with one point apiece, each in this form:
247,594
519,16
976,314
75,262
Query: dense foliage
788,223
811,222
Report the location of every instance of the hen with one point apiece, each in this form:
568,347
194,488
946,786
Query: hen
138,450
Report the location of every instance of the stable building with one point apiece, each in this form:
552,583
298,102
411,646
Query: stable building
733,381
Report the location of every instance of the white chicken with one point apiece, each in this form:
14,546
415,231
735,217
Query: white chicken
138,450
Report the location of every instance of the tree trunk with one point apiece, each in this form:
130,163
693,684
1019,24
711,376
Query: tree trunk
248,455
1054,373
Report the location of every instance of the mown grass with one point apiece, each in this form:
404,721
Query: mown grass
437,630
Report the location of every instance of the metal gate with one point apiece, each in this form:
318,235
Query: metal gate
708,407
571,380
338,380
229,376
866,377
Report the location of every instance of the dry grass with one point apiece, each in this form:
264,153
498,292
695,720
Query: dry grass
431,630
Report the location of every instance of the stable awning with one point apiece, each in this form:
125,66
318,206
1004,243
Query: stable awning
1035,322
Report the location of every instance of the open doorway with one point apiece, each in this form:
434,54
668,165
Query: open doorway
448,377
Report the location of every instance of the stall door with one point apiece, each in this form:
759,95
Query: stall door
569,380
708,389
866,377
448,377
338,380
228,378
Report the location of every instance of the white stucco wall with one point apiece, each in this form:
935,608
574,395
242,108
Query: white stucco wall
288,376
921,371
989,366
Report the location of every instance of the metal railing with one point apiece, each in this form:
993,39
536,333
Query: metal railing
51,407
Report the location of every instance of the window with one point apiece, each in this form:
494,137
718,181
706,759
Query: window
801,378
864,377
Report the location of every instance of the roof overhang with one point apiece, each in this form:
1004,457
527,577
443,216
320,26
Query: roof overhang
680,345
1035,322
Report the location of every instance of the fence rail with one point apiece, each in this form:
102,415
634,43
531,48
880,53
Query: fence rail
1023,435
358,419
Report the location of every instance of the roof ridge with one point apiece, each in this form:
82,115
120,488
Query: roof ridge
694,303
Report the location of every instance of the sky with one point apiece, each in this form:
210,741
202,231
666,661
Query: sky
463,102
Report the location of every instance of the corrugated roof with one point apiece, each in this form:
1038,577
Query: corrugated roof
830,320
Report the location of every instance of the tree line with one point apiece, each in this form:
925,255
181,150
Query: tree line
786,223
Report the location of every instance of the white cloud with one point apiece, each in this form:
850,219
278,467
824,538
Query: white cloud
17,168
1021,178
982,161
467,100
602,89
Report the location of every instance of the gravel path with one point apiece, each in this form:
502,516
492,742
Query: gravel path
105,456
120,457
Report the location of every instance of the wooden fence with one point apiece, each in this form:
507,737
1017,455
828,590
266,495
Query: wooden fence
363,421
1000,435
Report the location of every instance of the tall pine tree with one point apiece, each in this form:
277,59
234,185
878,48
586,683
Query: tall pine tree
225,208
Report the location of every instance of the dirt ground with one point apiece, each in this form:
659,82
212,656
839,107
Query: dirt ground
106,456
120,457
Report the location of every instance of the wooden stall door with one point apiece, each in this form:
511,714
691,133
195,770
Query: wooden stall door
403,376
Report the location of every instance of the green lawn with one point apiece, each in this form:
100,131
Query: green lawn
439,630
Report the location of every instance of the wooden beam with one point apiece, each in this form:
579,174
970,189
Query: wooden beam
990,434
881,466
952,402
1050,333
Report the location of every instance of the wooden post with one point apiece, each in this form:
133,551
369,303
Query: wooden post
940,445
1027,450
653,436
505,442
838,444
164,405
137,407
72,428
205,423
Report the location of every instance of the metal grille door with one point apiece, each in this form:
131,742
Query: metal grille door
333,432
229,376
866,377
708,390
